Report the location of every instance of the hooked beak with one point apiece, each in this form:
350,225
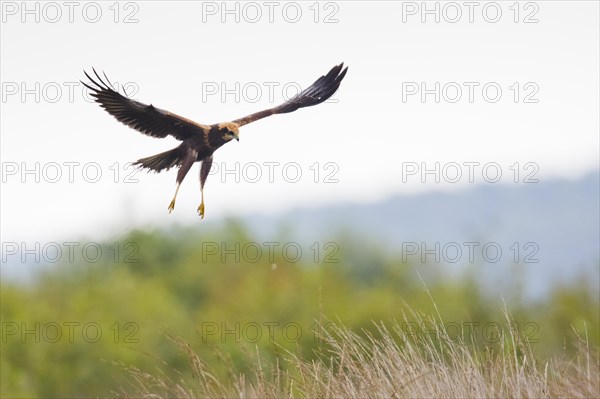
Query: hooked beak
236,136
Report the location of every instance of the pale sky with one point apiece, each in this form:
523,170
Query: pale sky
517,91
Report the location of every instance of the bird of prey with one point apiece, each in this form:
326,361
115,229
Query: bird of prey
198,141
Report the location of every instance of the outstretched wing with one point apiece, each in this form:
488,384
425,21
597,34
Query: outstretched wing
319,91
144,118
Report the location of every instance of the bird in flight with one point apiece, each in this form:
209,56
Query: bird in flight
198,141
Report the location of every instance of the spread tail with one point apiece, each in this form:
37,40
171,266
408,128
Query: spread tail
164,160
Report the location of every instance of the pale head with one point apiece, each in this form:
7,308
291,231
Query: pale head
229,130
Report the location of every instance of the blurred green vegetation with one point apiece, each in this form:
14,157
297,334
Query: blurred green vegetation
69,331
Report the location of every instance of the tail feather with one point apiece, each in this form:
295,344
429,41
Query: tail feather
164,160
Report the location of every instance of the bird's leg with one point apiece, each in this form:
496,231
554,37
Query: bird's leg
201,207
187,163
172,204
204,171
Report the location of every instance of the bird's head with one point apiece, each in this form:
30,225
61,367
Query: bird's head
229,130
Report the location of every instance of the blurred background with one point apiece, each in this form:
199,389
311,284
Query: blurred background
457,165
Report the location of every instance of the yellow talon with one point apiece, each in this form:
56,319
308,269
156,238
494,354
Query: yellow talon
201,210
171,206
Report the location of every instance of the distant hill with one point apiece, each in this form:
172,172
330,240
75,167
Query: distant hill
555,222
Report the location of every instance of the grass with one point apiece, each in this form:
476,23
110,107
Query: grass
390,362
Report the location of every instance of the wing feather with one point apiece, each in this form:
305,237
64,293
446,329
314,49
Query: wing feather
146,119
319,91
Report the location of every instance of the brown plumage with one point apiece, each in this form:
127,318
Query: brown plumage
198,142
